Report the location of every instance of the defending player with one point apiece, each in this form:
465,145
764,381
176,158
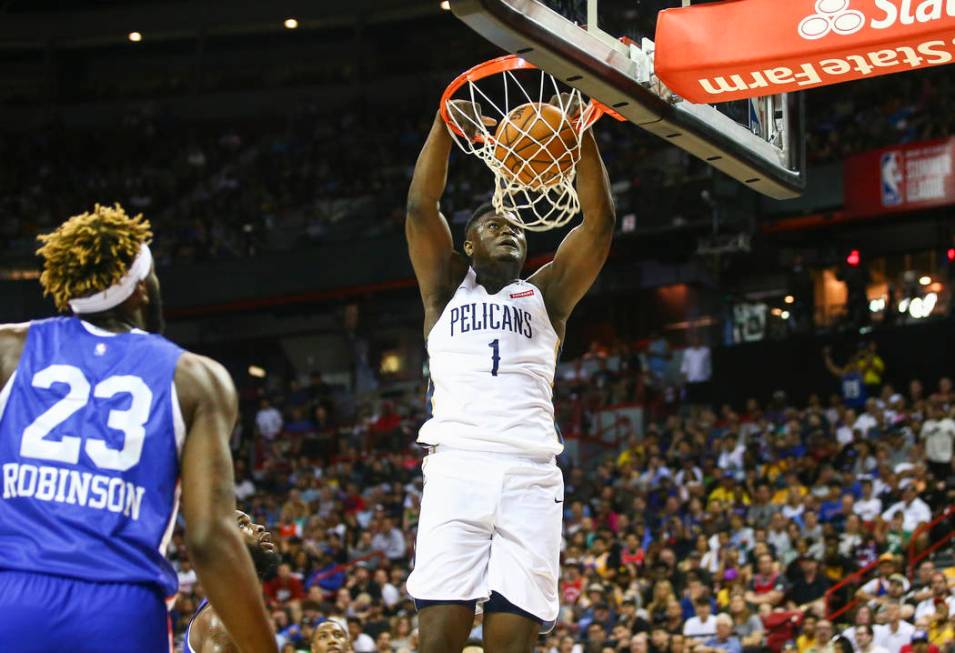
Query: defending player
490,523
102,421
206,632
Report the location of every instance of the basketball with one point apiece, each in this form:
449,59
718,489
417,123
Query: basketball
536,144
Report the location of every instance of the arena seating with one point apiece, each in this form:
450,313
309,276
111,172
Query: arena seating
777,515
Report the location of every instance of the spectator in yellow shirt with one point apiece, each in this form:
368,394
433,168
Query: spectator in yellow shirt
728,492
792,483
808,636
872,368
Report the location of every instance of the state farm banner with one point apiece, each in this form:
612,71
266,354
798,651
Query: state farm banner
748,48
914,176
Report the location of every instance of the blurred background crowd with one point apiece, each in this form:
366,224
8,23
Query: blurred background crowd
707,528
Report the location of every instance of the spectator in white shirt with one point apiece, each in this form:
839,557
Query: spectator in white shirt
864,640
389,540
895,633
851,536
703,625
778,537
244,487
868,507
390,592
731,454
876,589
268,420
863,618
360,642
940,593
187,576
697,369
914,510
690,473
938,431
869,419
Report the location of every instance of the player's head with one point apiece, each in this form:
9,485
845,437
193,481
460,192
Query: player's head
331,637
99,264
492,238
259,542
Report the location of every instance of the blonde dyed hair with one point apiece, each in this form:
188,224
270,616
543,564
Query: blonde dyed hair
90,252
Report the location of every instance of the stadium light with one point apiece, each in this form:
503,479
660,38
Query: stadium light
854,258
135,37
256,371
445,5
291,23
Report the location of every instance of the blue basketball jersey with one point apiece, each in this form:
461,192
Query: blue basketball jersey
90,436
186,645
853,390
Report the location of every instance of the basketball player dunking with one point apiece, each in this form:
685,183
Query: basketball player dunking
102,421
206,632
490,524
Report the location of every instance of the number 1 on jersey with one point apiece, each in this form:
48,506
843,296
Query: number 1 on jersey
495,346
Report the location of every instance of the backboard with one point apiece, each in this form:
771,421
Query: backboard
762,146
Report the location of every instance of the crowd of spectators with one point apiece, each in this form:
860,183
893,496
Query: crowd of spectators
712,530
235,188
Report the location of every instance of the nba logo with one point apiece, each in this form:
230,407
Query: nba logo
892,178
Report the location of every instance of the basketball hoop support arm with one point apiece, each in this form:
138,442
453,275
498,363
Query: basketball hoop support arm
621,76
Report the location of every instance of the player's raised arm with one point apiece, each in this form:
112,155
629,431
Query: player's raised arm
583,252
437,266
215,544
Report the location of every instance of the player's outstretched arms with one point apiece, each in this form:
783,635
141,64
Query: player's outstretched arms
12,339
216,547
583,252
437,266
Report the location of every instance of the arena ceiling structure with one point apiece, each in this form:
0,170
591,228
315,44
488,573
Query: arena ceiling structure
91,23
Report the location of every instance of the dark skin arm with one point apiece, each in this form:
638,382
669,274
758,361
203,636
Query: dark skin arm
832,367
216,546
210,630
12,339
583,252
437,266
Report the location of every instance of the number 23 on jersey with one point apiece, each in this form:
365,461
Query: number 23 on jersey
131,421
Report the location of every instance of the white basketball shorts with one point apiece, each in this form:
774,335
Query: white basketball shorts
490,523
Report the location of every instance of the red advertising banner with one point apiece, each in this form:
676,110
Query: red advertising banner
903,178
748,48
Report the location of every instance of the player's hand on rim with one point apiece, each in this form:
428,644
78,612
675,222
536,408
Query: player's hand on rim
468,116
569,103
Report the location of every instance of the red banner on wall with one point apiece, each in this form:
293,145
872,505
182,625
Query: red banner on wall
748,48
903,178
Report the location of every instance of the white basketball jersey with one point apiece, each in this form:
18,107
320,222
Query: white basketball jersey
493,360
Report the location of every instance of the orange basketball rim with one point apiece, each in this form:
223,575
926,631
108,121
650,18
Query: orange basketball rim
508,63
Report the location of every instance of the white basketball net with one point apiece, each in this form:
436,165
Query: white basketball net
541,194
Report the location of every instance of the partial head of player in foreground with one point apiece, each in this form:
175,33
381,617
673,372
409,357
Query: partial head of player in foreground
493,341
104,425
331,637
206,632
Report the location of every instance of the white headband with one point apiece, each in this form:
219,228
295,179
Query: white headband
121,290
